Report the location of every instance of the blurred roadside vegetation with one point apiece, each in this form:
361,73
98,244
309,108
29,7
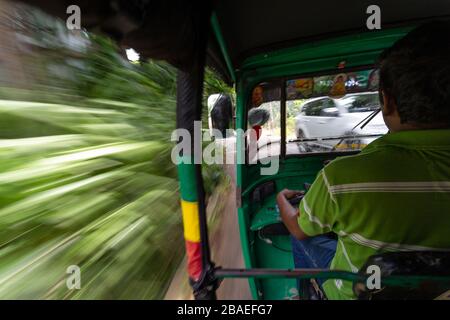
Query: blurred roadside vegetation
86,177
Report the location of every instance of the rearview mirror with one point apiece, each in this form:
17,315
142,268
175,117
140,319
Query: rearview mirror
220,116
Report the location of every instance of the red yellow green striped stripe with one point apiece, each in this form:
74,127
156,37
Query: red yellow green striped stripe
191,225
194,259
191,220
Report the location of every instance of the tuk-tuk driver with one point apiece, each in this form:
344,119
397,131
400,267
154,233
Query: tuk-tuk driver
395,194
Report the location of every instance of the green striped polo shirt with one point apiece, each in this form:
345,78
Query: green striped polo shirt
393,196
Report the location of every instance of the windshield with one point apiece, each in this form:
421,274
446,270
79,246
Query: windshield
327,113
329,124
335,112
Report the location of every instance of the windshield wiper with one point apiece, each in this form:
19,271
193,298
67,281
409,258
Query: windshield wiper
367,119
335,138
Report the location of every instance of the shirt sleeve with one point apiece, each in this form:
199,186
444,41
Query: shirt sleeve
318,209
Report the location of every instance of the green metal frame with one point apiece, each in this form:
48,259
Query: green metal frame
223,46
327,55
314,57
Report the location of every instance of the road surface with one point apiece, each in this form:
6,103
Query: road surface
225,250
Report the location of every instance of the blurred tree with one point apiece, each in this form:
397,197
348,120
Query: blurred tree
86,176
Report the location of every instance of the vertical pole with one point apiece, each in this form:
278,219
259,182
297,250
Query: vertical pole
189,110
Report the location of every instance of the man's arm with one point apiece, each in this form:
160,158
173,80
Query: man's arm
289,214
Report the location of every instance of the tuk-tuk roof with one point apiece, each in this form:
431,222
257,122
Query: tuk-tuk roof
164,29
255,26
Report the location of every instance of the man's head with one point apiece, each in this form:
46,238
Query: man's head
415,79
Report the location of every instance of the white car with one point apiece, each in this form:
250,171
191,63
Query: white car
326,122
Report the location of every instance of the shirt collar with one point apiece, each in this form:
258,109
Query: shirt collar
414,138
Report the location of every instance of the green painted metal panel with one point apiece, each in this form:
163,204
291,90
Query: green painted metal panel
270,256
245,243
370,42
186,175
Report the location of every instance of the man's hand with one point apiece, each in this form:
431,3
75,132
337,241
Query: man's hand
289,214
289,194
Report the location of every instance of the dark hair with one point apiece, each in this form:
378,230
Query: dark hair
415,72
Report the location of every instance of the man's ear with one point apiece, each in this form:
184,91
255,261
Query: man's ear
388,107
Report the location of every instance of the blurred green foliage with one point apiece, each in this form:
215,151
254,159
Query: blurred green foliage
86,177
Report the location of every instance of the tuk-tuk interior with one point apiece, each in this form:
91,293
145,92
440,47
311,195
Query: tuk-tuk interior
266,243
251,44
